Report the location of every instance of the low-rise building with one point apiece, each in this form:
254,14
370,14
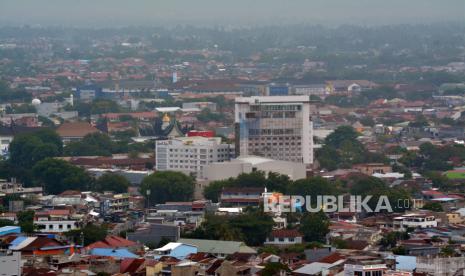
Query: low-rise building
199,105
175,249
190,154
241,196
372,168
218,248
364,265
55,221
414,220
75,131
284,237
248,164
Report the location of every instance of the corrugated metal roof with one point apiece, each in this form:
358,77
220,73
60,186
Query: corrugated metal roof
116,253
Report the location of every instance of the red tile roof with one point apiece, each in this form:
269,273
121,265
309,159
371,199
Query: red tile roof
112,242
330,259
75,129
131,265
286,233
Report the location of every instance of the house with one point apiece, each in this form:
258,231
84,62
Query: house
176,250
319,90
153,233
40,245
112,241
75,131
362,265
6,230
140,267
314,268
349,86
55,221
217,247
372,168
414,220
454,218
241,196
284,237
120,253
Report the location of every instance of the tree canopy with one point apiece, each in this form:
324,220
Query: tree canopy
91,233
28,149
273,182
57,176
92,144
253,226
342,150
314,226
112,182
167,186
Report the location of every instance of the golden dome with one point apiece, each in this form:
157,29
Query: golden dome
166,118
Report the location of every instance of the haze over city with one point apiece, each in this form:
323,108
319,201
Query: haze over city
108,13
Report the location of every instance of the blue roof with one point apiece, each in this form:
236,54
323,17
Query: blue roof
5,230
9,228
18,240
110,252
406,263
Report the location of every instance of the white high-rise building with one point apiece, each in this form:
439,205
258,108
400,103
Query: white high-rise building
277,127
190,154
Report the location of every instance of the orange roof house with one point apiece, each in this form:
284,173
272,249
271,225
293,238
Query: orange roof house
75,131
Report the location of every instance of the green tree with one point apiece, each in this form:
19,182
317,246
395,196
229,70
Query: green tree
390,239
371,186
167,186
26,221
313,187
341,135
399,250
28,149
46,122
340,243
57,176
216,227
92,144
342,150
254,225
271,249
213,190
6,222
91,233
253,179
112,182
433,206
439,180
276,182
367,121
314,226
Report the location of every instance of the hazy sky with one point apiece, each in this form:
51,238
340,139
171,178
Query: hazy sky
99,13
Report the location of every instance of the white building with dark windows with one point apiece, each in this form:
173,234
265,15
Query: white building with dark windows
277,127
191,154
414,220
364,266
